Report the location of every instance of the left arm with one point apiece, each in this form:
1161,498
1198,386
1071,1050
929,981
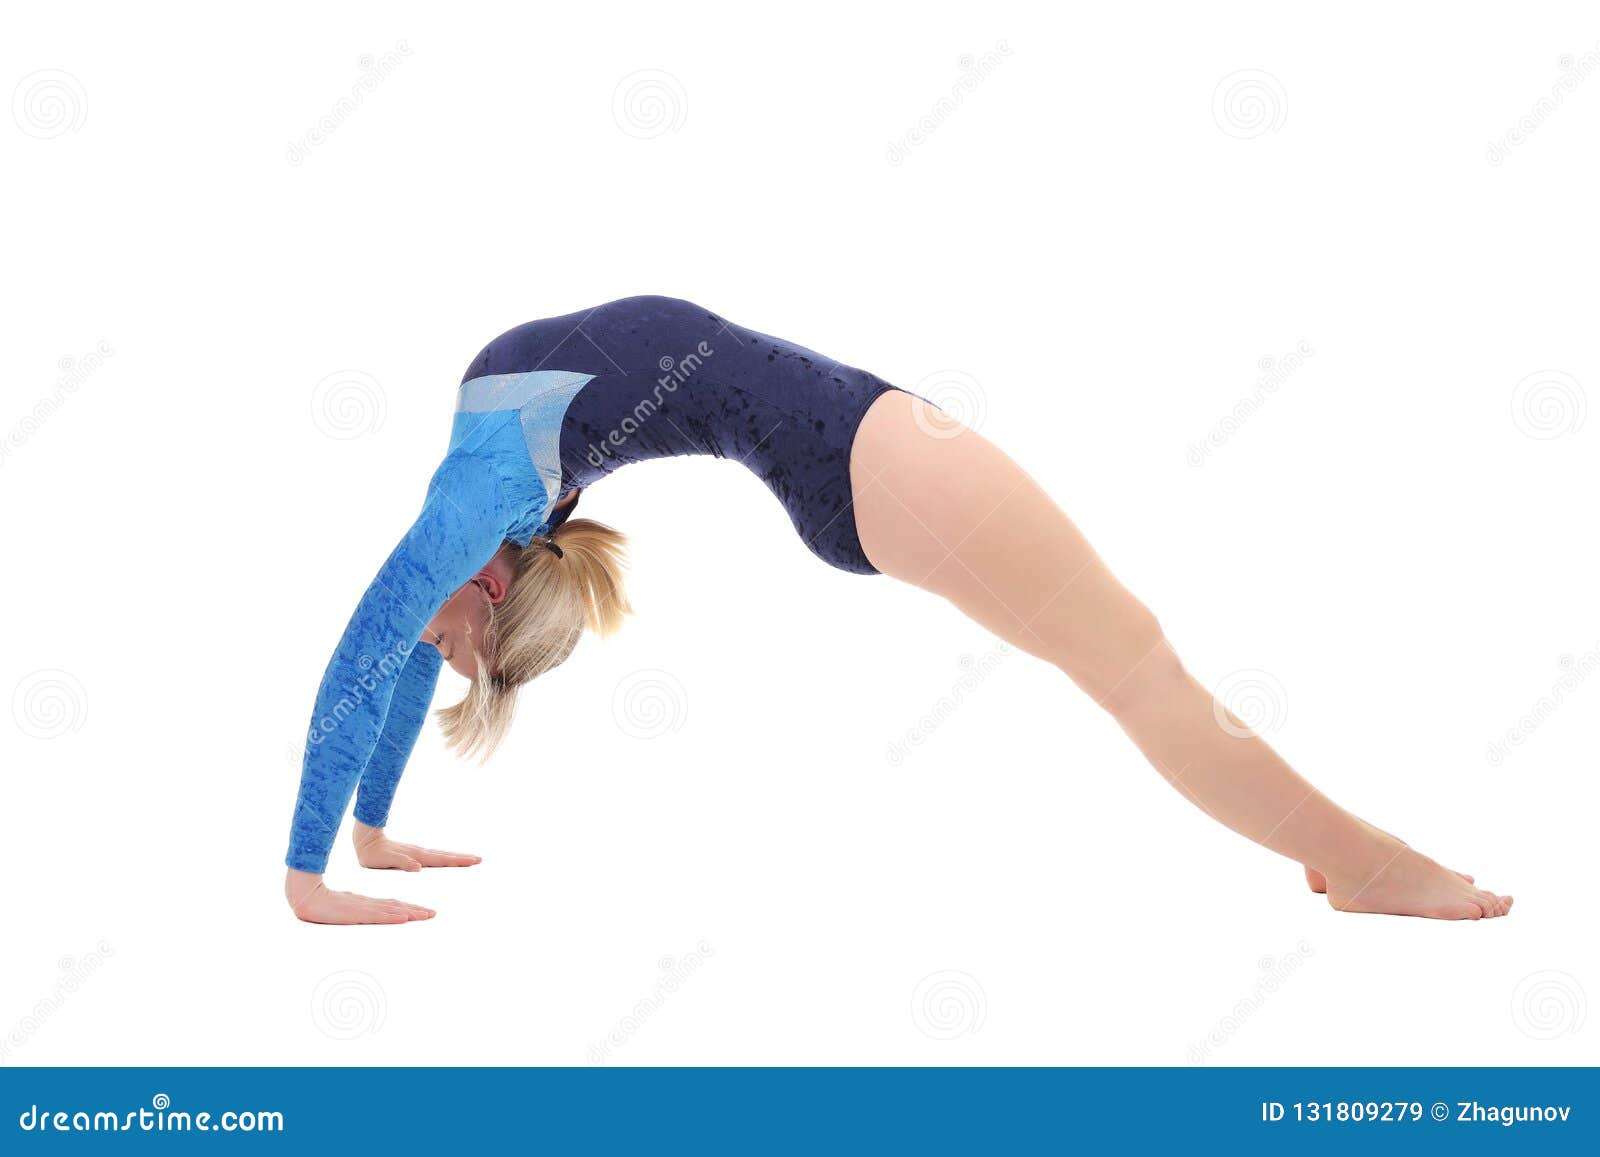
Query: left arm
461,525
408,710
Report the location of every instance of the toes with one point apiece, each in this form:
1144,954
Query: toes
1316,881
1492,904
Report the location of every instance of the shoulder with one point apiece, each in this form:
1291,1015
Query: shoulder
468,486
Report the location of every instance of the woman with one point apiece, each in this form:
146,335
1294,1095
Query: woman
493,579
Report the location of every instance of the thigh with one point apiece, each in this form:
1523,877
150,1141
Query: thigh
939,506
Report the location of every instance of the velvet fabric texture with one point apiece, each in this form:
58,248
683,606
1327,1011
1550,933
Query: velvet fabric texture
545,409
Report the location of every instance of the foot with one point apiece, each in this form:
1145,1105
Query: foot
315,903
1404,882
1318,883
376,850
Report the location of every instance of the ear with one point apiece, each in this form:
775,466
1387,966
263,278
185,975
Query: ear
495,577
492,582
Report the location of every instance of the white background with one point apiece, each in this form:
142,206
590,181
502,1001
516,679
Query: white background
1093,252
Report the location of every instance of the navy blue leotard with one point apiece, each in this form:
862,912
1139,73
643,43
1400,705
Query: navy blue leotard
547,409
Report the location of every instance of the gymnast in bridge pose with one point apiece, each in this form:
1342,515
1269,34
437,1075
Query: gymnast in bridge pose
494,579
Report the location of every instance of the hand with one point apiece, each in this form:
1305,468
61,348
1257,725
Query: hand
376,850
312,901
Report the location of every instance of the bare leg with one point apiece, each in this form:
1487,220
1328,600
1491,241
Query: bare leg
939,506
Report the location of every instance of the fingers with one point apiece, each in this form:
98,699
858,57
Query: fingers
402,912
433,858
348,908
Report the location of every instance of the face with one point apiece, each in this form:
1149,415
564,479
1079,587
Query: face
463,621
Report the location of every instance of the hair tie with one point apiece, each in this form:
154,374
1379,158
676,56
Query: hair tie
550,545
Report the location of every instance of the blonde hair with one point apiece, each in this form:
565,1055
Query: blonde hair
551,599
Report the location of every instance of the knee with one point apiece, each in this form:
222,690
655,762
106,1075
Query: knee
1146,669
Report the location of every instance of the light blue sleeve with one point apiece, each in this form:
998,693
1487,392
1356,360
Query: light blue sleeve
408,711
462,524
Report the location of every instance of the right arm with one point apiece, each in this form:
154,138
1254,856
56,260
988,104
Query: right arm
462,524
